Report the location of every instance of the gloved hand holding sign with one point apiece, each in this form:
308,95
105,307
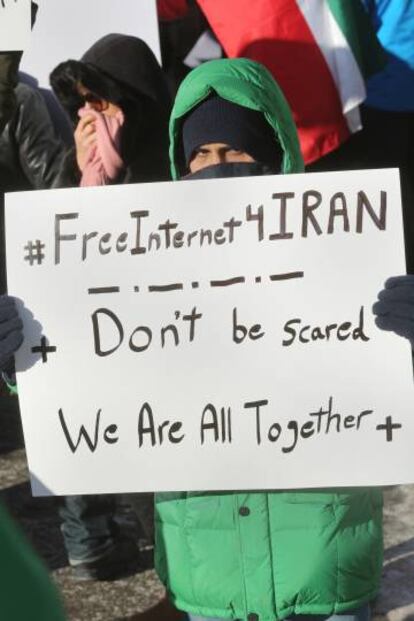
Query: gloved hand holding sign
11,332
395,307
394,311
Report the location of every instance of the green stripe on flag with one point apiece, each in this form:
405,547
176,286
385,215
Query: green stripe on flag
356,27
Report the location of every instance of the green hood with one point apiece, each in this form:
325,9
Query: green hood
243,82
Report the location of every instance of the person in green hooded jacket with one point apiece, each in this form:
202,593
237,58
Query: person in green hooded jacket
259,556
255,555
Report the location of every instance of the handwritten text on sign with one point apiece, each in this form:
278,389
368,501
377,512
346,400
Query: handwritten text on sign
211,334
15,18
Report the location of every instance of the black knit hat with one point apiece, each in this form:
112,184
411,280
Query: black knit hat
220,120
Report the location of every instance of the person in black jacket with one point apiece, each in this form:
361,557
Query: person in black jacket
9,70
118,101
9,66
31,155
118,73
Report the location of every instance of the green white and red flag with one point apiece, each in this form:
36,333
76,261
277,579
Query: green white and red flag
320,52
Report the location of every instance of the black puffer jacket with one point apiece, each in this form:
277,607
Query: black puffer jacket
123,70
31,155
9,69
9,65
30,152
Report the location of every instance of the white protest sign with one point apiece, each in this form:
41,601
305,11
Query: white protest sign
15,21
65,29
211,335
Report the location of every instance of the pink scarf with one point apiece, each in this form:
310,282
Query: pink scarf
104,162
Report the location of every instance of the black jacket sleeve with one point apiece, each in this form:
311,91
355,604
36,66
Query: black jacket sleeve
9,66
69,175
40,151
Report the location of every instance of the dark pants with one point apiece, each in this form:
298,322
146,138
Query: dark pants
89,527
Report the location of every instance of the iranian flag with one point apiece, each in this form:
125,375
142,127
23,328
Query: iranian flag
319,51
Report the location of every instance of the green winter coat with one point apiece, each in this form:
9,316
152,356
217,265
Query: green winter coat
264,556
27,593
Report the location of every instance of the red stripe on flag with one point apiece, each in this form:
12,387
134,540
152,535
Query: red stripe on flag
275,33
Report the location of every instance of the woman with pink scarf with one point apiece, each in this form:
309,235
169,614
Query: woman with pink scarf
118,101
98,142
117,97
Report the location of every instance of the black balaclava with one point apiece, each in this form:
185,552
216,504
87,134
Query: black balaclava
222,121
230,169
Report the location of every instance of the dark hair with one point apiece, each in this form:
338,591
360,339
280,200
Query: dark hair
66,77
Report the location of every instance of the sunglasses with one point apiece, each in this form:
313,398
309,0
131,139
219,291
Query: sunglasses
96,102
